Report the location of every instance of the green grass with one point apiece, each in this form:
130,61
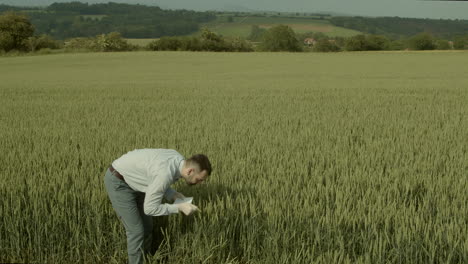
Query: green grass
241,26
318,158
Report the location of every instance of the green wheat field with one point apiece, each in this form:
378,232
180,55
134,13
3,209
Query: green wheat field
317,158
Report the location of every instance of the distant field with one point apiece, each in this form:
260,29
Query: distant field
352,157
34,11
94,17
241,26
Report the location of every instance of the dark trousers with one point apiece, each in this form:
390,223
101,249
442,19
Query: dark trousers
128,204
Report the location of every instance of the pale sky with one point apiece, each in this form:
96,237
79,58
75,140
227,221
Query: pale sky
401,8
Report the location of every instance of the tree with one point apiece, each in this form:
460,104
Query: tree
15,29
356,43
280,38
443,44
166,43
210,41
190,43
369,42
42,42
211,36
325,45
239,44
112,42
459,43
423,41
377,42
104,42
88,44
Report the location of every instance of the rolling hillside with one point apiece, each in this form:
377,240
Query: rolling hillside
241,26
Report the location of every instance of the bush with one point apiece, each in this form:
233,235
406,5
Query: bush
325,45
442,44
12,53
377,42
280,38
42,42
105,42
240,45
166,43
112,42
196,44
80,44
212,45
459,43
423,41
356,43
369,42
191,44
209,41
175,43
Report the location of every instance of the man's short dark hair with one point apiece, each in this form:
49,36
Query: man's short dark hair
202,161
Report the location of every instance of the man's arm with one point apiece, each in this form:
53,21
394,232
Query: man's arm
153,198
169,194
172,195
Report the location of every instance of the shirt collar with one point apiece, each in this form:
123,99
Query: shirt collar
179,171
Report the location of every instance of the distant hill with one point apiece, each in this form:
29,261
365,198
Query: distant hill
75,19
231,25
166,4
397,27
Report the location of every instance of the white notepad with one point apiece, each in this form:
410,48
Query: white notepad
184,200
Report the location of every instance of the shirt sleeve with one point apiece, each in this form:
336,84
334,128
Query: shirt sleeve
169,193
154,194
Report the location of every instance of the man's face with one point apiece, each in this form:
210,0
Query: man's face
195,176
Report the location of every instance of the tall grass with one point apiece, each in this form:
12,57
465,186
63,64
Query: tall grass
318,158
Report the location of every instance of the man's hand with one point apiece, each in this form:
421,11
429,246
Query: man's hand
187,208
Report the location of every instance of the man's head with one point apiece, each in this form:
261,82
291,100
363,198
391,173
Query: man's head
196,169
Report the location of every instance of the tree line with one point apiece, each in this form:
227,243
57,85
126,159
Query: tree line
397,27
17,33
372,42
76,19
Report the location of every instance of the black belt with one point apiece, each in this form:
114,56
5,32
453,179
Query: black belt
116,173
